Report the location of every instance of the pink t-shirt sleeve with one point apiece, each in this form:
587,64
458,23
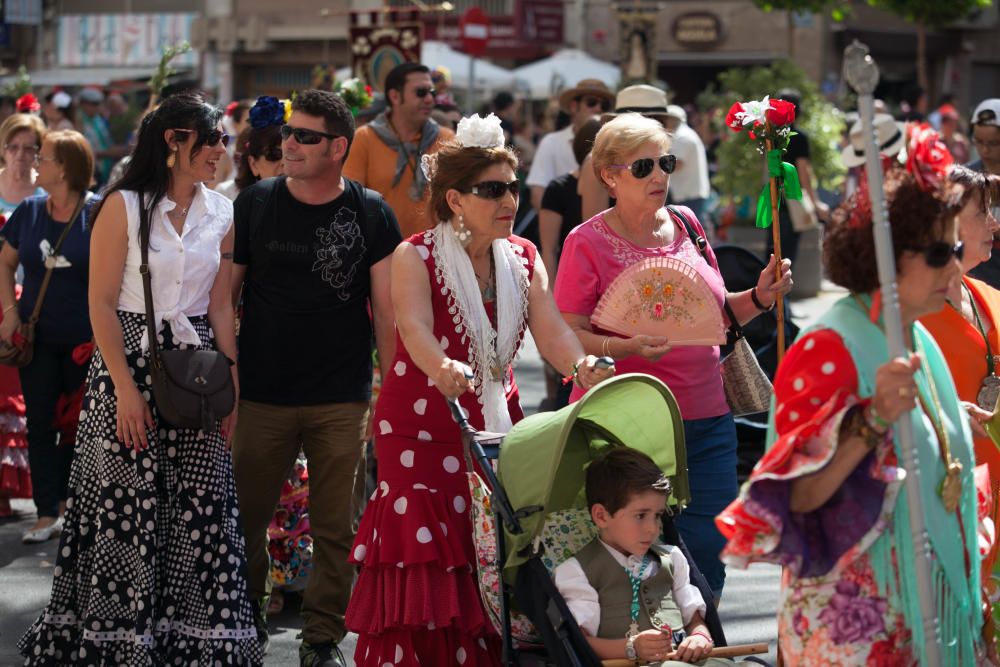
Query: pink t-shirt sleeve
578,282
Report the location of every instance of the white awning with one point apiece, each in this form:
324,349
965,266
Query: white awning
83,76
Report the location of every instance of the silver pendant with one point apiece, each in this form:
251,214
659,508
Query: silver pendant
988,393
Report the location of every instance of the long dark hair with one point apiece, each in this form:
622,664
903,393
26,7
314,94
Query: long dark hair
254,142
147,172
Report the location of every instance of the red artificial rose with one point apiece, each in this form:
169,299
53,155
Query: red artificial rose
928,158
781,113
884,654
732,122
28,103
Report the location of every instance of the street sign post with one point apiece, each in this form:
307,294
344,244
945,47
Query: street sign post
475,29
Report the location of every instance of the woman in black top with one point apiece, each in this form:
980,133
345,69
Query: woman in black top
561,205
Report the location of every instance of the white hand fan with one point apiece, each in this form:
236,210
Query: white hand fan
662,296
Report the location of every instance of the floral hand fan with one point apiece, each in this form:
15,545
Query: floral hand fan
662,296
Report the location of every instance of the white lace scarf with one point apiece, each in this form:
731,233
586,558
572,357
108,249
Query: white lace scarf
489,350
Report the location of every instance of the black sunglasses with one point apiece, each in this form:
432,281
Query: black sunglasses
304,136
424,92
643,167
496,189
938,254
211,139
597,101
273,154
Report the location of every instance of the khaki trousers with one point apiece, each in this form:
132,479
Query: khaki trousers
265,446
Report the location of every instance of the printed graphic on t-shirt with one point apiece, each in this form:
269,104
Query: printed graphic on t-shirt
341,248
50,261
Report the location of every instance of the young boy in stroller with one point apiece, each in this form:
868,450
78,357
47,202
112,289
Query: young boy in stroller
631,596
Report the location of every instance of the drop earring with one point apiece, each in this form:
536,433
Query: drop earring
172,159
463,234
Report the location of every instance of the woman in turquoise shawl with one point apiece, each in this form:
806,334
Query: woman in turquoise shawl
826,501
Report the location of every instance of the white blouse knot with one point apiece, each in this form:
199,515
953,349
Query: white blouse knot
182,267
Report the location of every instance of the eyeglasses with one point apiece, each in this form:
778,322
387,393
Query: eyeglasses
424,92
304,136
211,139
496,189
643,167
938,254
21,148
593,102
989,145
39,158
272,154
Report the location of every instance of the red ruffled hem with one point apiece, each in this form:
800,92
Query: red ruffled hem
15,482
413,524
423,647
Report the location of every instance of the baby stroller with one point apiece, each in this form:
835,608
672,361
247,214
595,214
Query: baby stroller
531,514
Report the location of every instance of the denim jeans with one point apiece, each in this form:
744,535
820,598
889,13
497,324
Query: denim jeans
51,373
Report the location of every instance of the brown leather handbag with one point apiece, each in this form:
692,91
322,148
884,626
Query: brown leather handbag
21,351
191,388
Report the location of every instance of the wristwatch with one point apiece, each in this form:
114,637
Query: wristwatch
630,651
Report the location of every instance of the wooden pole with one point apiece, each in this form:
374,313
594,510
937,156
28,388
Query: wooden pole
720,652
776,235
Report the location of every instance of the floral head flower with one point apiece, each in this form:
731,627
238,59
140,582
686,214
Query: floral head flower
477,132
267,111
28,103
928,158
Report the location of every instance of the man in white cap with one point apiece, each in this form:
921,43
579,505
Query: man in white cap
986,139
689,184
554,156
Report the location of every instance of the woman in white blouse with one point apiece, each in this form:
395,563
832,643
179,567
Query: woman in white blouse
151,561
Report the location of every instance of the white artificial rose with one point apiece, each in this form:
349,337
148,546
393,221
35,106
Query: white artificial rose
474,131
754,111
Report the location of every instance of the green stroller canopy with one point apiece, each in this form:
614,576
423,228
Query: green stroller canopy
543,460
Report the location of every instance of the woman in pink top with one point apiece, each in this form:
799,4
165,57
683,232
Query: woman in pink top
631,157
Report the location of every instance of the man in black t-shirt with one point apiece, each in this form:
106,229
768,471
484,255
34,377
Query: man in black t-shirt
312,260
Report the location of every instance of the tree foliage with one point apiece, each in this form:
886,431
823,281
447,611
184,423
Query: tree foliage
931,13
21,84
741,168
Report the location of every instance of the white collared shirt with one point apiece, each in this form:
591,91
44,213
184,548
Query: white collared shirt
553,158
182,267
582,599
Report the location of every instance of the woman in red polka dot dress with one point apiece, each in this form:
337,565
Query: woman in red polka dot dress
463,293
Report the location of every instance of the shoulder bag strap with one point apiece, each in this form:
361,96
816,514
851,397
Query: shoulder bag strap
147,285
37,311
701,243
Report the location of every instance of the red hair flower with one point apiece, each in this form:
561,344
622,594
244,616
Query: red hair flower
928,158
781,113
733,121
28,103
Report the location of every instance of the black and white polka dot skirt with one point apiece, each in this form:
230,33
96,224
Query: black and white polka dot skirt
151,566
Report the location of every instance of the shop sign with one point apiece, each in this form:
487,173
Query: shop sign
697,30
534,28
122,39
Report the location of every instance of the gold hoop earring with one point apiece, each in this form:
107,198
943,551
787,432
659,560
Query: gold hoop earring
172,159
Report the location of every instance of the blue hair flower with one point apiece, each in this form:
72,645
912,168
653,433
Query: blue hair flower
267,111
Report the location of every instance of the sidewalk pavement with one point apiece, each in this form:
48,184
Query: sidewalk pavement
748,605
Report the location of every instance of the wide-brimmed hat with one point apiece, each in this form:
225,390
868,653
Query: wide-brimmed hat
91,95
586,87
888,133
643,99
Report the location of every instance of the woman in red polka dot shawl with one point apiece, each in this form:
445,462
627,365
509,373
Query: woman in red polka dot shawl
463,293
827,500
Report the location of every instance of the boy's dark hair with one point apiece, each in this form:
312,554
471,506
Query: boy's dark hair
621,473
331,108
503,101
396,78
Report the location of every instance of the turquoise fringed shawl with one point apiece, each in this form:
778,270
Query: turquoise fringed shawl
957,595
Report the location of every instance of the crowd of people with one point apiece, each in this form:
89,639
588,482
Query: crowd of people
317,247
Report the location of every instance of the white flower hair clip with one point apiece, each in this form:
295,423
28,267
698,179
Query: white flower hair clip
477,132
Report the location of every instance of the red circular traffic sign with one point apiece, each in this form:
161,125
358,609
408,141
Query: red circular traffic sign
475,27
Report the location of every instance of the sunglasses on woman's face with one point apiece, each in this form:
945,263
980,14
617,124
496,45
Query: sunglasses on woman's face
937,255
643,167
496,189
273,154
211,139
304,136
